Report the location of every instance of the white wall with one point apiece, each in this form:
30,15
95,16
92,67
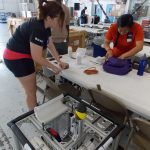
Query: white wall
83,3
88,4
104,4
10,6
13,6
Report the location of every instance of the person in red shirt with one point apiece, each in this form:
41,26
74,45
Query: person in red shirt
127,37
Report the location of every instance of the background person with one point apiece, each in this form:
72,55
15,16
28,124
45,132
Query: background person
127,36
27,43
83,16
60,35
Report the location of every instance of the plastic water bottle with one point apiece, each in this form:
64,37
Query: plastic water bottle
142,65
79,59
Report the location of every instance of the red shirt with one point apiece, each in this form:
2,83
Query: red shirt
123,45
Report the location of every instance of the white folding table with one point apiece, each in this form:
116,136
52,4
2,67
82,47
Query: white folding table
131,90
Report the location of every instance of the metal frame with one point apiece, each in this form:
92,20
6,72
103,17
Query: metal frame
23,140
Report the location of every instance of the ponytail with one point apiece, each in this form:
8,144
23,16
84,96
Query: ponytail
42,3
52,9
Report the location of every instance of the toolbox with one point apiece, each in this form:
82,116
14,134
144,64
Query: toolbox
65,123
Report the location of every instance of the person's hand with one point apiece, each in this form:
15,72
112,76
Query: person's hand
109,53
56,69
121,56
63,65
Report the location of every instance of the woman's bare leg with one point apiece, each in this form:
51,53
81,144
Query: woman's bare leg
29,84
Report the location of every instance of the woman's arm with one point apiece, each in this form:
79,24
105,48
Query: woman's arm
133,51
53,50
36,53
55,54
107,48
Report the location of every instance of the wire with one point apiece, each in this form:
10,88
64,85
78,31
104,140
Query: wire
133,12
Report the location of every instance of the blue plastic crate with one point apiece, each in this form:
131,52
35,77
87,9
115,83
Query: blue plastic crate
98,50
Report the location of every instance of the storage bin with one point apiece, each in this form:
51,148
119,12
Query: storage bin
98,50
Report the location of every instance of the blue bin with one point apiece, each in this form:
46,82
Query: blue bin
98,50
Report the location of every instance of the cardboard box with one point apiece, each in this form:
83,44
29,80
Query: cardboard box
77,39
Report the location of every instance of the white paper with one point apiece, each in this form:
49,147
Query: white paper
50,110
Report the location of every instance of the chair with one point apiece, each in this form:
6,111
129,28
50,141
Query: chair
140,134
109,103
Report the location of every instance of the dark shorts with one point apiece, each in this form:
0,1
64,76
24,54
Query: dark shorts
20,67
